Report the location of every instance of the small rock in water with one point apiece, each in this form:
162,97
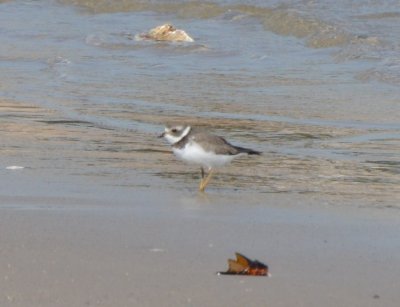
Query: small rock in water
166,32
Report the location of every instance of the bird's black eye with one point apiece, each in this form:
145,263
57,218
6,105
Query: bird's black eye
174,130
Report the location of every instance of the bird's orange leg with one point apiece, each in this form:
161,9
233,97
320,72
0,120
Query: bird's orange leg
204,181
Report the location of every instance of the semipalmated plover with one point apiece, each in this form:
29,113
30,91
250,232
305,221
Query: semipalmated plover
205,149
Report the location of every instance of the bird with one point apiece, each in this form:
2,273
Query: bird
200,147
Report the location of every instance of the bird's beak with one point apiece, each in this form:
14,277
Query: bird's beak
162,135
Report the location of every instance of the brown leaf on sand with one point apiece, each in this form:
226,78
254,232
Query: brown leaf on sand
244,266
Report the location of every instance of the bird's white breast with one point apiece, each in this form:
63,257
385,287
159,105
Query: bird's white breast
194,153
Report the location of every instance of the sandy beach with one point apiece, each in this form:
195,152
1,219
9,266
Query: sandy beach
74,233
132,247
77,234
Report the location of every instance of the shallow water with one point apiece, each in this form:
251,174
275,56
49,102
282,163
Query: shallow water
314,86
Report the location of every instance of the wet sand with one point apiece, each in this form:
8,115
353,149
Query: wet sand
332,164
109,218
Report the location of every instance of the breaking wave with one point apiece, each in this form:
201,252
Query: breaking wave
281,21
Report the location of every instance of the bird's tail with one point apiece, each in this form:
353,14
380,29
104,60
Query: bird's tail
248,151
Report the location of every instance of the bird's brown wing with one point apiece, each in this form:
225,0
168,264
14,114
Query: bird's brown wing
214,143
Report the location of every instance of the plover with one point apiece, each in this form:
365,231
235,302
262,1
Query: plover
202,148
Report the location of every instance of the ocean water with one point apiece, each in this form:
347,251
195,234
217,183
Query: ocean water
315,85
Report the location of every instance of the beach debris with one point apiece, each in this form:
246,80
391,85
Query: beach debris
244,266
14,167
165,32
157,250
